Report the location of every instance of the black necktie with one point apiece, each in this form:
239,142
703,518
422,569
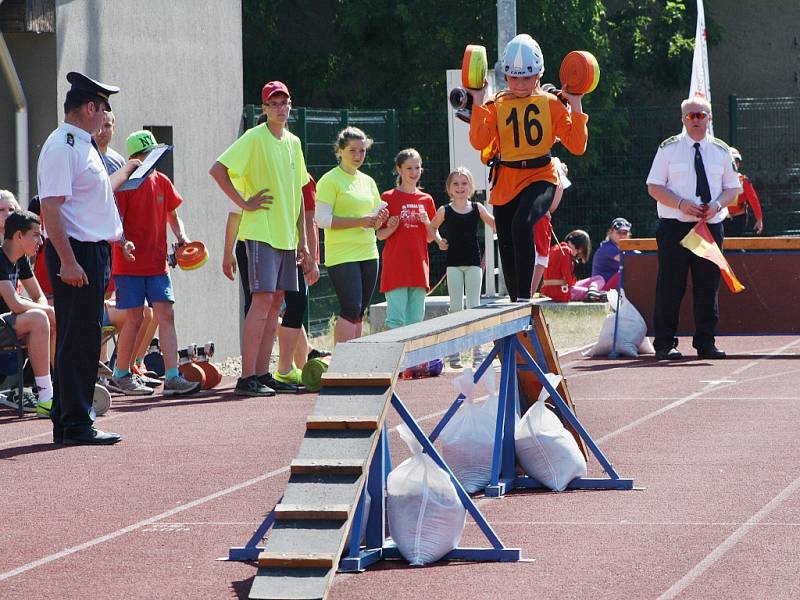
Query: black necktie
702,190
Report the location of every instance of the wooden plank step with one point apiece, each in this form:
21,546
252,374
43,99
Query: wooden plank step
310,466
347,402
321,512
322,489
356,379
377,360
343,444
306,536
328,423
296,560
291,584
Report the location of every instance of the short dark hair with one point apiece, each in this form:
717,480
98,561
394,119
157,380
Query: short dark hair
75,101
20,220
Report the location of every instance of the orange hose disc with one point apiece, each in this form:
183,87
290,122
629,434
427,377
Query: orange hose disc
474,67
579,72
212,374
191,372
191,256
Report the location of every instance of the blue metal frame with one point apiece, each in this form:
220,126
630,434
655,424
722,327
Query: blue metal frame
504,476
251,549
378,546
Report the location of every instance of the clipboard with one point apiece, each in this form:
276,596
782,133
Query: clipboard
148,166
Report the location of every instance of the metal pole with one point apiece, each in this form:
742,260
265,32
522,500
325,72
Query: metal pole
20,121
506,29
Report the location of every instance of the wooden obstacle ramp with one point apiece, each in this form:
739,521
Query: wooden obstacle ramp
312,522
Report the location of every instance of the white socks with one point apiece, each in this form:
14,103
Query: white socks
45,385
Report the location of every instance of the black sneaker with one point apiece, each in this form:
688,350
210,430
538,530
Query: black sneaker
317,354
711,352
596,296
279,386
251,386
668,354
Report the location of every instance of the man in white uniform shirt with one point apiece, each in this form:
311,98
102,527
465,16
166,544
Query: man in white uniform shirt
81,217
692,179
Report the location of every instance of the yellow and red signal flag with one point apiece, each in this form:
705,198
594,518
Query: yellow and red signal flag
700,242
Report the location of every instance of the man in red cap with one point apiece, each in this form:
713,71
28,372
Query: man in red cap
263,173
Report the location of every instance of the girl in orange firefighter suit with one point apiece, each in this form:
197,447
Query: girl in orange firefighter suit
524,122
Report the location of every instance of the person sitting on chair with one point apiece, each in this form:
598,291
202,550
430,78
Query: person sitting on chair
29,320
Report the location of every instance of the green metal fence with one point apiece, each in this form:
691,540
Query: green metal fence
609,180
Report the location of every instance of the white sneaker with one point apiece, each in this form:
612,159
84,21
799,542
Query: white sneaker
131,385
9,399
179,386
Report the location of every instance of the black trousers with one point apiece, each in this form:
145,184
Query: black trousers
515,221
674,265
79,318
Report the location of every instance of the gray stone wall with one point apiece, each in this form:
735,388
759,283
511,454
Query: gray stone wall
179,64
34,57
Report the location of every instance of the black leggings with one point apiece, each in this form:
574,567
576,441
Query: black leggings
354,283
296,302
515,222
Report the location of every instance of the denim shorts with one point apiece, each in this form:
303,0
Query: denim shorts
133,290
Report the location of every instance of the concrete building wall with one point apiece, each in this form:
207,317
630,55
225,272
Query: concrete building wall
34,57
178,64
760,54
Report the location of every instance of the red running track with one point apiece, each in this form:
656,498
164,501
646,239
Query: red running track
713,444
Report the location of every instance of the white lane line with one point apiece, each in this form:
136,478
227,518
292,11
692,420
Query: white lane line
105,419
729,542
151,520
49,433
708,387
157,518
140,524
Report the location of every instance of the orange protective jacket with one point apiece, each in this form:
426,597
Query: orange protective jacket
748,196
525,128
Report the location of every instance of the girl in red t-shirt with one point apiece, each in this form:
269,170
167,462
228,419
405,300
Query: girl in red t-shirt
404,277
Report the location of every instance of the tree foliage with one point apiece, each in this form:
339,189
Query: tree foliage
393,53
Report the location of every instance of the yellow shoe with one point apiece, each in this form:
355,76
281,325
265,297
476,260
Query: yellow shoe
43,409
294,376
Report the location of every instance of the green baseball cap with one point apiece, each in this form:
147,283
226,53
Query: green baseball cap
140,141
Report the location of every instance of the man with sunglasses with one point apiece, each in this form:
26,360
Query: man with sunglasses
77,201
691,179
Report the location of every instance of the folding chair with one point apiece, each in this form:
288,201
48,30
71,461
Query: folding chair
18,347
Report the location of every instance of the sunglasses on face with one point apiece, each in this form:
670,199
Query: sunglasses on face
700,116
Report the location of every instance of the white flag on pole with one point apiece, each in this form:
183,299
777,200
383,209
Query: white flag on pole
701,81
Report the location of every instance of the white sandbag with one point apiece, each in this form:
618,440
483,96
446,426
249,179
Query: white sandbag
631,329
426,517
545,449
468,438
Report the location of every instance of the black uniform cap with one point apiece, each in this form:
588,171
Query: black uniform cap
85,88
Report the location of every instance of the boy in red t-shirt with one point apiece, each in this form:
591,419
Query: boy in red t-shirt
145,213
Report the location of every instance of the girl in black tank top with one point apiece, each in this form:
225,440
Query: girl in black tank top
461,219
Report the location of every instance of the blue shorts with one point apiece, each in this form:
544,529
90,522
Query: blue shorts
133,290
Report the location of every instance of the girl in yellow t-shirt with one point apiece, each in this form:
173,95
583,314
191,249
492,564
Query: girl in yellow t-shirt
523,123
349,209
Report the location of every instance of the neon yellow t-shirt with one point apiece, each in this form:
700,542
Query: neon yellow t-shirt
350,196
257,161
